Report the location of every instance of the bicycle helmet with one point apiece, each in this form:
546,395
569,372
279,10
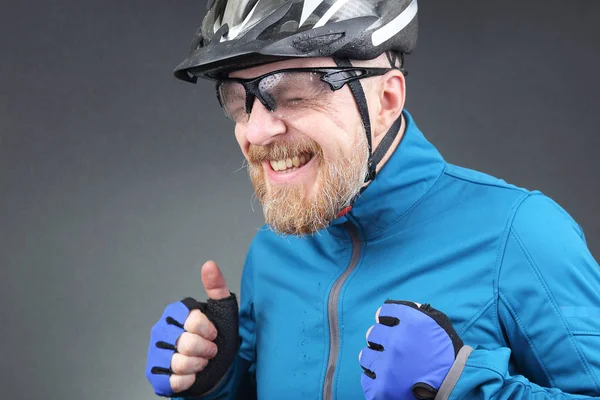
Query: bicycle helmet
238,34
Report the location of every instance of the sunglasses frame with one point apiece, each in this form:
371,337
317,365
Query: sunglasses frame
335,77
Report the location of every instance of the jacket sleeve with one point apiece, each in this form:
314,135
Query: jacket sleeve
548,302
240,380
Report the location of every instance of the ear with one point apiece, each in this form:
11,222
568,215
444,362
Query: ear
392,95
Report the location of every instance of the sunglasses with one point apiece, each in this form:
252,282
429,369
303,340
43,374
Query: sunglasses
287,92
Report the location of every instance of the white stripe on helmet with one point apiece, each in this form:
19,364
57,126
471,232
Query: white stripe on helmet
309,7
327,16
396,25
236,30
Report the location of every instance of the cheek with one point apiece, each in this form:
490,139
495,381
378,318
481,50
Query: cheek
344,127
335,137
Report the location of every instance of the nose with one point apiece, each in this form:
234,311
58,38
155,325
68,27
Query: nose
263,126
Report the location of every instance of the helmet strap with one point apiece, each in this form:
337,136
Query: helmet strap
386,142
359,95
363,110
392,58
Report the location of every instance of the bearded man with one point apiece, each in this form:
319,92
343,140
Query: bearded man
368,228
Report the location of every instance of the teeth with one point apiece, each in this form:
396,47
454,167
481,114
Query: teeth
290,164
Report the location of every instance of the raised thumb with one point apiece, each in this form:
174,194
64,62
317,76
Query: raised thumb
213,281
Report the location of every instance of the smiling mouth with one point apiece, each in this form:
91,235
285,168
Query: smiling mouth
290,164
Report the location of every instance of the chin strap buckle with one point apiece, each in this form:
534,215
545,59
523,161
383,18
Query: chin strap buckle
372,172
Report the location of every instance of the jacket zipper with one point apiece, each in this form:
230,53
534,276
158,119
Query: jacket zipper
332,312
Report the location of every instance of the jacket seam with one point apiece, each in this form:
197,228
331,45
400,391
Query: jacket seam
489,367
476,316
479,182
528,339
554,304
582,332
500,260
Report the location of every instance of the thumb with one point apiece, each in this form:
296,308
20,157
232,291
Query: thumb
214,282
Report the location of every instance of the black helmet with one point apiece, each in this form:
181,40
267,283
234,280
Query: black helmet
238,34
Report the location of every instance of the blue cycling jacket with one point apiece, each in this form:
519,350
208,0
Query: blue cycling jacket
509,267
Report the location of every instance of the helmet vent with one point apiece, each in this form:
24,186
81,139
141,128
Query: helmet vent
308,45
289,26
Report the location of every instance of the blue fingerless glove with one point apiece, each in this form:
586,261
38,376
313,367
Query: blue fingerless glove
163,337
410,352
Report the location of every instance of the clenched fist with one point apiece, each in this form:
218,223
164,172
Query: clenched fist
193,344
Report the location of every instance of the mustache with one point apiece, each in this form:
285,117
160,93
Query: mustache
283,149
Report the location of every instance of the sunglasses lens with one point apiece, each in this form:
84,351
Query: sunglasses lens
289,93
232,97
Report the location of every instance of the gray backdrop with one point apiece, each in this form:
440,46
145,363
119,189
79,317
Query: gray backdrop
117,182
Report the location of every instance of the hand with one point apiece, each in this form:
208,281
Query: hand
410,352
193,344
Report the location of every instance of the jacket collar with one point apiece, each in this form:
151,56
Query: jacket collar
402,182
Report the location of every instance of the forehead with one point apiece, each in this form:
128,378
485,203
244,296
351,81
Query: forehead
292,63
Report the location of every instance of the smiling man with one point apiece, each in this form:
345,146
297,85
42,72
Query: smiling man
369,227
303,178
